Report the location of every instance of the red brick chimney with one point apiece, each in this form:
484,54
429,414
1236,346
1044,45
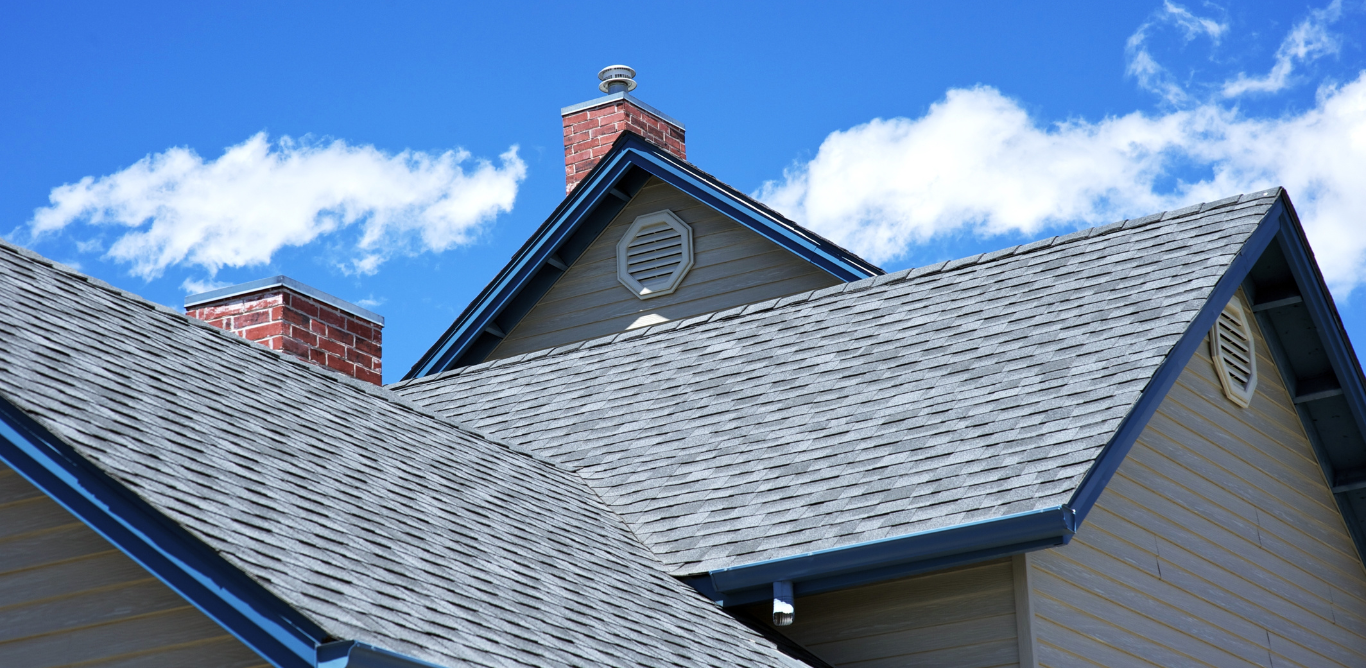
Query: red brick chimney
283,314
591,127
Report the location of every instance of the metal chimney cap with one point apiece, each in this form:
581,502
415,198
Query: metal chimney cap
617,79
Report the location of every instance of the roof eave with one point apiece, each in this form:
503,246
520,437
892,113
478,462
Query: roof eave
354,654
889,558
902,556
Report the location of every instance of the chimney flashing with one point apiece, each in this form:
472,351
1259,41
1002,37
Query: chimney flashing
220,294
615,97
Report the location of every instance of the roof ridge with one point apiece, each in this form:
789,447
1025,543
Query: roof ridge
381,392
856,286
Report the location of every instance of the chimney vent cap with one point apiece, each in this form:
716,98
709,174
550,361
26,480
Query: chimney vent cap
617,79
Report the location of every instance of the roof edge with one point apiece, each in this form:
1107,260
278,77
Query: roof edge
889,558
356,654
239,604
1161,382
866,563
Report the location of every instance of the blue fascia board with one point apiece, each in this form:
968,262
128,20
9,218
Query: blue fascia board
1325,317
1162,381
240,605
823,584
354,654
851,565
490,303
631,151
901,556
817,251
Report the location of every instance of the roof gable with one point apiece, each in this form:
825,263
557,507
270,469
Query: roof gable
729,266
577,222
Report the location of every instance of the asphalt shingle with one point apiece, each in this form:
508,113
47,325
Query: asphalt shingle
914,401
378,520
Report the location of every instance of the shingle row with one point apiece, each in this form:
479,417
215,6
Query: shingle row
378,520
926,398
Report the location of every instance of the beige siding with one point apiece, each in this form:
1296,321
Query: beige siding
961,618
1218,543
732,266
68,597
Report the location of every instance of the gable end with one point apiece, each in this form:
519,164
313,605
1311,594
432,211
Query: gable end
579,220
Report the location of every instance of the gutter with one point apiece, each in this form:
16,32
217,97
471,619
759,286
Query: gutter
355,654
888,558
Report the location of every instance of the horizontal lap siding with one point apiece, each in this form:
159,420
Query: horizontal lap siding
963,618
68,597
732,265
1218,543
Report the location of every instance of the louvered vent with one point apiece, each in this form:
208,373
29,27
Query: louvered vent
1235,359
654,254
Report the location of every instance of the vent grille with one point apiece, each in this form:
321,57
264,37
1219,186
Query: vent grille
654,254
1234,354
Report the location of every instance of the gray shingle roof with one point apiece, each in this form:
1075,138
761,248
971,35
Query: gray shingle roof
926,398
379,521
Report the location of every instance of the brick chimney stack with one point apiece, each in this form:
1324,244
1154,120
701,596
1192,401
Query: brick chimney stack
591,127
283,314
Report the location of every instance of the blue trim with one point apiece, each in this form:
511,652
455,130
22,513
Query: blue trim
353,654
629,152
865,563
246,609
192,569
1162,381
1325,317
852,565
1341,359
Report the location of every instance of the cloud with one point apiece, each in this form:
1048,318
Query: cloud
1145,69
1308,41
194,286
175,208
977,163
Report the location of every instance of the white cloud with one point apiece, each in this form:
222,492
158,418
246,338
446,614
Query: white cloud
370,302
194,286
175,208
977,163
1308,41
1151,75
95,245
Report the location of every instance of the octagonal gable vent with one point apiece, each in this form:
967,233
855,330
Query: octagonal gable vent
655,254
1235,359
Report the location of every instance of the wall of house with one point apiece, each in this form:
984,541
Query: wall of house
732,266
964,618
1218,543
67,596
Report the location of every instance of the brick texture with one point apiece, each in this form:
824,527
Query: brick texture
589,134
281,319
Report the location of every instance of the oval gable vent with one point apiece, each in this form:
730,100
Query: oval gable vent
1235,359
655,254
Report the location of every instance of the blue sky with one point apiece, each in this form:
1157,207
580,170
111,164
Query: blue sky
396,154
